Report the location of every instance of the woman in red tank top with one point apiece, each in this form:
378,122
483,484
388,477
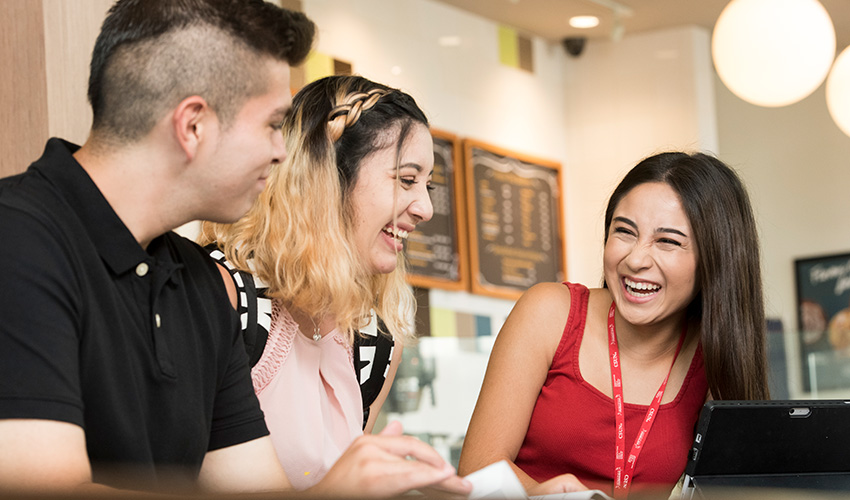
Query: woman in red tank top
602,388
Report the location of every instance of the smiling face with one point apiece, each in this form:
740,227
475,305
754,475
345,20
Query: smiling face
246,148
650,259
388,203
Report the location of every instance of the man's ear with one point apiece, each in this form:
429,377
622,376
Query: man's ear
191,124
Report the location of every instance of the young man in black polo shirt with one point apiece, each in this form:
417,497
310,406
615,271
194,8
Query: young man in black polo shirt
120,360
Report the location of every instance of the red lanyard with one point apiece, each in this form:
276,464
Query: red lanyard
623,469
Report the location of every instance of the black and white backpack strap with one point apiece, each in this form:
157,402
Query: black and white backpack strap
373,353
254,308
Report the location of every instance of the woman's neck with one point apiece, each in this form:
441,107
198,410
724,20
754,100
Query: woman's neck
649,343
309,325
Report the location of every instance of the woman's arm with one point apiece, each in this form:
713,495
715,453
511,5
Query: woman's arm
375,408
516,372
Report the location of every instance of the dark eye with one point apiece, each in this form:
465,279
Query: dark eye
408,181
430,187
668,241
624,230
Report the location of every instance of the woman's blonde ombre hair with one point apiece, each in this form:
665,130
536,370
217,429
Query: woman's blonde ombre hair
298,234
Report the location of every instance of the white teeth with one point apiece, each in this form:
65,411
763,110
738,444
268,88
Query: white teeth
642,286
397,233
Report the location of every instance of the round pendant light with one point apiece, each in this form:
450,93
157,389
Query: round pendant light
838,91
773,52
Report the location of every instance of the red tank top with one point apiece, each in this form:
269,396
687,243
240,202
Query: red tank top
572,425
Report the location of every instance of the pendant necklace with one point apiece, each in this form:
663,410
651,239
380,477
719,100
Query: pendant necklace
317,336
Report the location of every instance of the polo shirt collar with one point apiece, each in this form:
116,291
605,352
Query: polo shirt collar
113,240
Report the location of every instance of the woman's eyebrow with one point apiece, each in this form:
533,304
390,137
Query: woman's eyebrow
416,167
625,220
630,222
670,230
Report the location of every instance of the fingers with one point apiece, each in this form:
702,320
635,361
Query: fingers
565,483
388,464
451,486
392,429
427,470
403,447
405,475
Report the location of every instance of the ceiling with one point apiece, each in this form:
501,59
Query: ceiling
549,18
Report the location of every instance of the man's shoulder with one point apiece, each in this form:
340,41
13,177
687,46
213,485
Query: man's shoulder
26,209
198,264
32,191
186,248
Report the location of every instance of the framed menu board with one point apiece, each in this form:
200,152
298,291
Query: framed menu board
514,204
436,251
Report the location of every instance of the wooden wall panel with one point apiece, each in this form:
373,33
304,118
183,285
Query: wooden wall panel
23,86
71,28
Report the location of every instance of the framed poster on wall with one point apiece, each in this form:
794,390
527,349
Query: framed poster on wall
515,218
436,251
823,312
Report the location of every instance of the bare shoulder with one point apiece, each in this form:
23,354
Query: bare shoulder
538,318
543,302
546,296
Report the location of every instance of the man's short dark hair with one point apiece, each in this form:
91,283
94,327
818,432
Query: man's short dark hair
151,54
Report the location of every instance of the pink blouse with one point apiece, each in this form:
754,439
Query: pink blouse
310,396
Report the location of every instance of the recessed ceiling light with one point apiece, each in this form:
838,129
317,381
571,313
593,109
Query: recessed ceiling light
584,22
449,41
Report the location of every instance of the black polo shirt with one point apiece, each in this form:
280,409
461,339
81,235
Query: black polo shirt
140,348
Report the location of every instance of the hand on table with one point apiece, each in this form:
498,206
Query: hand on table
389,464
565,483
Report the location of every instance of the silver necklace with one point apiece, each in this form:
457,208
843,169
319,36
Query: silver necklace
317,336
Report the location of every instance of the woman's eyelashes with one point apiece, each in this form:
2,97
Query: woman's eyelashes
663,240
669,241
410,181
624,230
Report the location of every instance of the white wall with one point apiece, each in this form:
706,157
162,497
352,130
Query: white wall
624,101
462,89
796,163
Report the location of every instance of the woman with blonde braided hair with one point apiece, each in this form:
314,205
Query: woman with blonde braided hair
322,247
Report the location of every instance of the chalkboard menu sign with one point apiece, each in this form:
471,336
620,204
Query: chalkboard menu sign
436,250
514,207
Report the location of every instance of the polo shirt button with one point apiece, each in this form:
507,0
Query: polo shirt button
142,269
158,320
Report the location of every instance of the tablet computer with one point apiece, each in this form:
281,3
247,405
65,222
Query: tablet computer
770,444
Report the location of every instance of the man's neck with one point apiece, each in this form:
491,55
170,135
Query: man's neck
134,181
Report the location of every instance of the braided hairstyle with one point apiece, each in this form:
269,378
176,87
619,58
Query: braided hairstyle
298,235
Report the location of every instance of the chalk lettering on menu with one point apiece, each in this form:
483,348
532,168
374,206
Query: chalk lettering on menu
516,215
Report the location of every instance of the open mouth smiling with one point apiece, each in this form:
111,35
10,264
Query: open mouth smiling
397,233
640,288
